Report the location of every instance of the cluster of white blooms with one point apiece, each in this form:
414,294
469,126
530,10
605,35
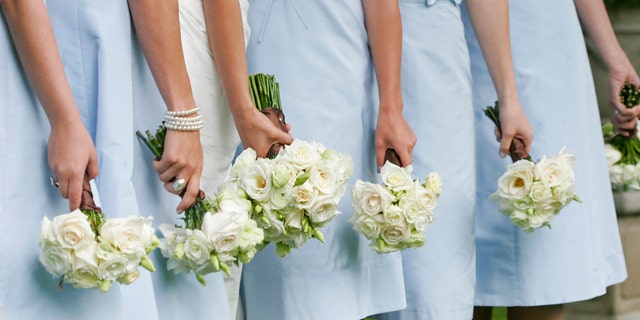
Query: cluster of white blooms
70,248
532,194
227,236
294,194
395,214
624,177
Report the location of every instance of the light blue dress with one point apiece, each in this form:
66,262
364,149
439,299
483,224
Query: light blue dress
436,87
115,95
581,255
319,52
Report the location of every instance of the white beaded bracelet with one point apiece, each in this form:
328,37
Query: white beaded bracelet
184,127
182,113
182,119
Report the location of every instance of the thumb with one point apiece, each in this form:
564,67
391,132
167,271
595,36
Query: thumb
92,166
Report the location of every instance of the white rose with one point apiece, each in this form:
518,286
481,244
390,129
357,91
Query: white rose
302,155
551,172
516,182
322,176
87,258
371,198
196,248
425,198
82,278
423,219
280,198
256,180
113,264
612,154
222,229
539,191
322,212
46,232
367,225
393,216
251,235
72,230
283,174
235,205
131,235
433,182
55,259
615,174
566,160
304,195
246,158
395,234
396,178
629,174
409,208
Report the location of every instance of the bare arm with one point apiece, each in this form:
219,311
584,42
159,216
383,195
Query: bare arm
382,19
71,153
490,19
226,38
158,27
596,21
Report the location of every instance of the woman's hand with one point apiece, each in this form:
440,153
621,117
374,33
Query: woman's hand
393,132
71,156
258,132
624,119
514,125
181,159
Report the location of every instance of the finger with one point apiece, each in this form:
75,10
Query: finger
63,186
505,143
284,138
380,152
170,174
75,192
405,156
498,134
189,196
92,167
163,165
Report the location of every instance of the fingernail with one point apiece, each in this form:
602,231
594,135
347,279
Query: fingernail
179,211
502,154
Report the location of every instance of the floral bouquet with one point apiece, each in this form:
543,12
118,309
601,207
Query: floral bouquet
295,191
90,251
532,193
394,215
294,194
216,233
623,153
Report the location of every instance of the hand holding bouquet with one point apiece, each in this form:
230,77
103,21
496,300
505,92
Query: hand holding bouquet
90,251
623,153
532,193
216,233
394,215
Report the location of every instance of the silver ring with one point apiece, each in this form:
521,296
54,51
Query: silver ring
178,184
616,112
54,183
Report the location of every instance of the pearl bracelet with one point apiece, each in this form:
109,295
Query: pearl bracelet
182,113
169,118
195,126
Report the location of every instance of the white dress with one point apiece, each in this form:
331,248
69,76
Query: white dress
219,136
581,255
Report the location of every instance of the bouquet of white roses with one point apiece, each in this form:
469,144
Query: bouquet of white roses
294,194
217,232
623,153
395,214
532,193
90,251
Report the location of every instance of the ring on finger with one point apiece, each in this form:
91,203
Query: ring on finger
178,184
616,112
54,183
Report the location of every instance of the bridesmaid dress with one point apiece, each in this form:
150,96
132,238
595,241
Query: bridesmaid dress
319,52
436,86
582,254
